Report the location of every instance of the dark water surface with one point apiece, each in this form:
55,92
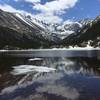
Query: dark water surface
49,78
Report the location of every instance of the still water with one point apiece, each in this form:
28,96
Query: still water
49,78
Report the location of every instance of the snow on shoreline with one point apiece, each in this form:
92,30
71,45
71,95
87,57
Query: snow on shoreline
54,49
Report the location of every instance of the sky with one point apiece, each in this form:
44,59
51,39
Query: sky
55,11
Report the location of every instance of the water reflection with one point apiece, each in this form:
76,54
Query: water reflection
25,69
50,79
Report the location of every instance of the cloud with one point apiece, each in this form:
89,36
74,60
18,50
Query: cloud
59,90
30,1
6,7
56,6
9,8
51,11
41,16
49,18
16,0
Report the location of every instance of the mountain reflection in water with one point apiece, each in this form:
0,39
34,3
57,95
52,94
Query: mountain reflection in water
49,79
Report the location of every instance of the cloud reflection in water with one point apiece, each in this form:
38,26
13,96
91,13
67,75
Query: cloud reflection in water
51,79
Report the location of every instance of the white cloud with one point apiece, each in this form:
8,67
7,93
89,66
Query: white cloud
6,7
16,0
9,8
45,17
55,6
49,18
69,93
50,11
30,1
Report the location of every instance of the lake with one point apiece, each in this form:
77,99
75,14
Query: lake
50,74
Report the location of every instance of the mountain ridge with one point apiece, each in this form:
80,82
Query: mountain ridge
17,30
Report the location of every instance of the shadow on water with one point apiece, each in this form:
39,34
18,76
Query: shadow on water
60,78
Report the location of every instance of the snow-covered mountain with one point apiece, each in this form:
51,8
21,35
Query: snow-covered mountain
25,31
68,27
89,34
85,22
46,28
30,21
18,31
53,29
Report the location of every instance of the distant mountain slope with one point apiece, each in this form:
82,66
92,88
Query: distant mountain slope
16,32
89,34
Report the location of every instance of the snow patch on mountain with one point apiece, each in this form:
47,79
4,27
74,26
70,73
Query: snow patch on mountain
29,20
54,29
